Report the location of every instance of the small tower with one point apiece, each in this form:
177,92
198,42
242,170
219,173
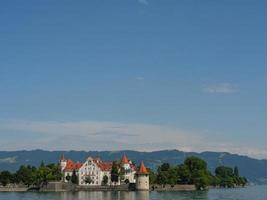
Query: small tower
125,162
142,178
62,162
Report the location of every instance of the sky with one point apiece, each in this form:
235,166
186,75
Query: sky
134,74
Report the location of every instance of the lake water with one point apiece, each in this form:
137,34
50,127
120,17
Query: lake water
248,193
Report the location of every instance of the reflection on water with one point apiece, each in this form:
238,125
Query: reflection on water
141,195
180,195
248,193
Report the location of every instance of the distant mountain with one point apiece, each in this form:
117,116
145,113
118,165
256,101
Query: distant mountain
255,170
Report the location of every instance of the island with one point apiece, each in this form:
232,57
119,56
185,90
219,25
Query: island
122,175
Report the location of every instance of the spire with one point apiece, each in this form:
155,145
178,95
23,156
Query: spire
62,158
142,169
124,159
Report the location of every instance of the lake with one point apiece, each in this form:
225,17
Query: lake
248,193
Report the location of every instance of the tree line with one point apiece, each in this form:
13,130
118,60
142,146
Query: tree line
194,171
32,176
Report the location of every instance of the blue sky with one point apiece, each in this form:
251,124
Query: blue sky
129,74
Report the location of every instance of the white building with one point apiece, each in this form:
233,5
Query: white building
95,172
68,167
129,170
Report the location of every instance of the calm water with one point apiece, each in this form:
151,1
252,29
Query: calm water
249,193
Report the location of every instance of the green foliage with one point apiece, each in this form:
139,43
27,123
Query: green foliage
223,171
152,177
236,171
26,175
105,180
68,178
88,180
5,177
227,177
194,163
199,175
74,177
194,171
115,172
183,174
164,167
29,175
162,177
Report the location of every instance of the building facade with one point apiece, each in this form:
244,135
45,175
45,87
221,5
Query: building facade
95,172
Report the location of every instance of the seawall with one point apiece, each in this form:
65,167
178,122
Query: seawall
167,188
13,189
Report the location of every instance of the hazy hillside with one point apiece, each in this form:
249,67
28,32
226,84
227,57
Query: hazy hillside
255,170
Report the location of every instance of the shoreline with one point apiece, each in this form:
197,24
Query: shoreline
63,187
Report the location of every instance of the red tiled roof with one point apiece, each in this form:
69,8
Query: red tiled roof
142,169
72,166
104,166
124,160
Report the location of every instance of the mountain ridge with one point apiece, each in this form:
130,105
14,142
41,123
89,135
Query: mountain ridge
254,169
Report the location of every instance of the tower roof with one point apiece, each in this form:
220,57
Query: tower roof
124,159
142,169
62,157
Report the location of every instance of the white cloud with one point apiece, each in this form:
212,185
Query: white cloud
94,135
225,88
144,2
139,78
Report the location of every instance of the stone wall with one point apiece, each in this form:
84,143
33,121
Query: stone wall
57,187
13,188
156,187
142,182
103,188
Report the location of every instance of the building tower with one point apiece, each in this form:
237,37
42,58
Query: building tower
62,162
125,162
142,178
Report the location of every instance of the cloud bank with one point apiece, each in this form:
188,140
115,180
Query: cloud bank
144,2
95,135
224,88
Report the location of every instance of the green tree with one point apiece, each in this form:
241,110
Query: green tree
194,163
229,177
88,180
68,177
42,164
25,175
164,174
236,171
5,177
74,177
105,180
172,176
114,173
164,167
199,175
183,174
162,177
152,177
223,171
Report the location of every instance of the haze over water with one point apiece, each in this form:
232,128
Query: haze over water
248,193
